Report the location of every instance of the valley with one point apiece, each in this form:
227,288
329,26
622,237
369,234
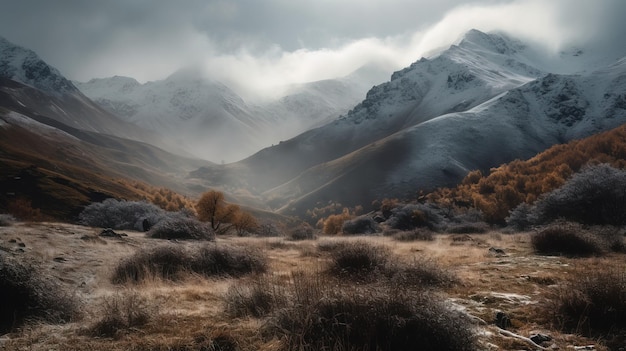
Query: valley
473,200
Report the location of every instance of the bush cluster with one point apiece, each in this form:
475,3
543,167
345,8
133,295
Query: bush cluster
411,216
302,232
595,195
121,214
181,227
171,262
28,295
322,316
365,262
572,239
388,310
360,225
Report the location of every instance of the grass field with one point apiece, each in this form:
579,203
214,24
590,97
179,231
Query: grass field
200,312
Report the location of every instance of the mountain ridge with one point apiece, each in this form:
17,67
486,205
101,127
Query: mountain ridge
476,105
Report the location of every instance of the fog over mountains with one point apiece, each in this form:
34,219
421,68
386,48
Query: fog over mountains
209,120
485,100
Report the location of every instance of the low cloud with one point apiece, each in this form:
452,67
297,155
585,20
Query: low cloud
257,47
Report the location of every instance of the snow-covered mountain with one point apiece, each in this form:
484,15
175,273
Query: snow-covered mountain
210,120
486,100
43,90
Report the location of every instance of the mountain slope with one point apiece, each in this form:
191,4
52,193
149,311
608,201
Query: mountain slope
61,169
485,101
440,152
60,150
46,92
209,120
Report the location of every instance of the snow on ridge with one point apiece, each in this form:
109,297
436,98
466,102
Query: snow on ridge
24,66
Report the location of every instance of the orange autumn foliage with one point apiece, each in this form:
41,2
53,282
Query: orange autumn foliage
505,187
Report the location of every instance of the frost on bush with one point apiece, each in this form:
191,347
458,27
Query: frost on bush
522,217
360,225
595,195
127,215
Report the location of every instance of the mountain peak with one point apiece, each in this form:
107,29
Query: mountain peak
24,66
495,42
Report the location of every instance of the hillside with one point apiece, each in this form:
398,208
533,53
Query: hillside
485,101
501,189
59,169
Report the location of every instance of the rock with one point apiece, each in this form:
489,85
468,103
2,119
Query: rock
497,252
109,233
503,321
379,219
540,338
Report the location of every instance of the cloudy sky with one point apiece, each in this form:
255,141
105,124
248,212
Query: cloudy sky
263,43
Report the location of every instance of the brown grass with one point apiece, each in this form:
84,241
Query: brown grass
192,313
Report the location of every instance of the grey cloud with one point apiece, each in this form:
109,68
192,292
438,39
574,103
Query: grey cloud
149,39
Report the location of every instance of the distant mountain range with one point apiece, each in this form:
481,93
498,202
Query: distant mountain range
487,100
208,119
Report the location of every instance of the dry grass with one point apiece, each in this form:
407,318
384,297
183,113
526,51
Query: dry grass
193,313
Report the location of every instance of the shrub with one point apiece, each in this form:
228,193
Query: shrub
567,239
213,260
595,195
179,227
268,230
360,225
522,217
6,220
166,262
245,224
257,298
421,273
594,304
359,260
170,262
302,232
411,216
27,294
213,208
328,317
121,312
121,214
419,234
